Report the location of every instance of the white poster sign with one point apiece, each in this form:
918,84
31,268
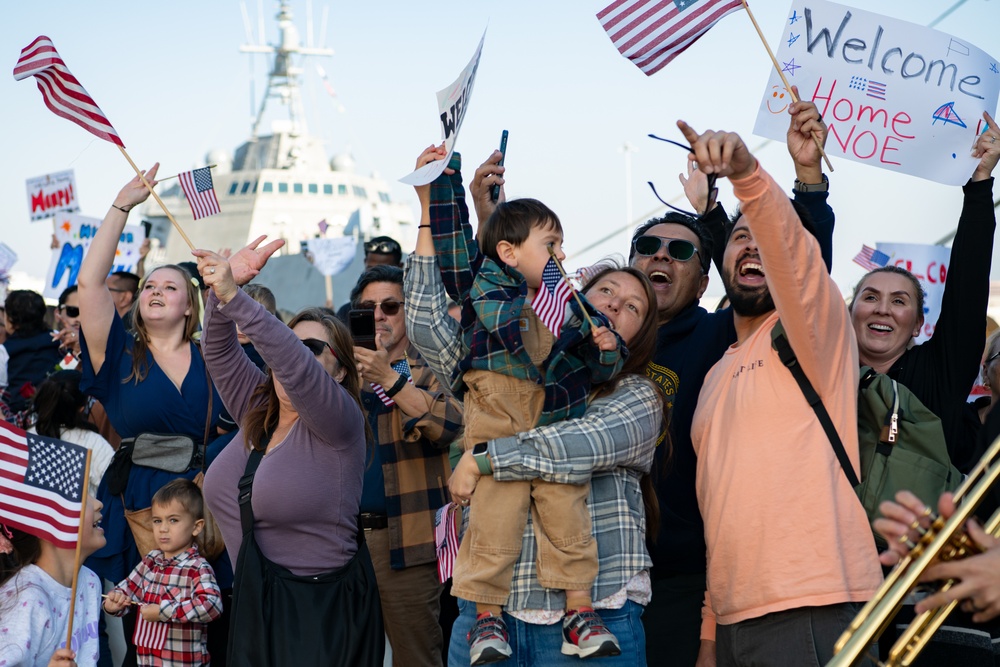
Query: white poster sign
929,263
73,234
453,102
333,255
894,95
7,259
52,193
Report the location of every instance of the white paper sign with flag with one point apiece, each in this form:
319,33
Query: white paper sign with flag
453,102
49,194
895,95
73,235
929,264
331,256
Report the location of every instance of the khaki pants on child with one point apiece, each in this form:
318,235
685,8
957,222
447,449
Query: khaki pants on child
498,406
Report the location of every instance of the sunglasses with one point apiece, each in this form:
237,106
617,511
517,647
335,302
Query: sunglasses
382,247
389,306
713,192
991,358
317,346
71,311
679,250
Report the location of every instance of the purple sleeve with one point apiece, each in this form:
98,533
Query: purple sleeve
324,406
234,374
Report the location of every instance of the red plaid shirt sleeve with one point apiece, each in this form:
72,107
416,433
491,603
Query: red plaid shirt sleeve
204,603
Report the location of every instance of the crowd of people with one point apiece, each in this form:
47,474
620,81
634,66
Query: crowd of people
635,480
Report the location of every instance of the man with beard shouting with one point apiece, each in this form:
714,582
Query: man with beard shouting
790,555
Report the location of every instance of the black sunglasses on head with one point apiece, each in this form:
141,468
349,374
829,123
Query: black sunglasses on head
680,250
71,311
317,346
713,191
389,306
382,247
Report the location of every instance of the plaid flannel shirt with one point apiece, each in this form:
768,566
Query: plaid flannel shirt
493,297
613,444
415,466
189,597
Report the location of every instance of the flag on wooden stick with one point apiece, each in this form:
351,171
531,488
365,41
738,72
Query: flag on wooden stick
651,33
42,485
553,294
870,259
61,91
200,192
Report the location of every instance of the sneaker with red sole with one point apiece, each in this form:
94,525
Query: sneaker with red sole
586,636
488,640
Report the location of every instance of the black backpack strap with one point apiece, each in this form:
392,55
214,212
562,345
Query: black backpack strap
246,490
779,341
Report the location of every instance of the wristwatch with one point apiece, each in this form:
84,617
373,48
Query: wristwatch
480,453
823,186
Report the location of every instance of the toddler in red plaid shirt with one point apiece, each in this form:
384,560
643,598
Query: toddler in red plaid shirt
174,586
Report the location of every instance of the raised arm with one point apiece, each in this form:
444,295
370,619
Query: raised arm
812,187
435,334
97,309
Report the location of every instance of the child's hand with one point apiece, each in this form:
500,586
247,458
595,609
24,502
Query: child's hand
62,658
150,612
115,602
605,339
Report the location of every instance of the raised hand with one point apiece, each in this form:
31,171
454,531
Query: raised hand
488,174
804,124
134,192
987,149
720,153
248,262
695,186
428,155
217,273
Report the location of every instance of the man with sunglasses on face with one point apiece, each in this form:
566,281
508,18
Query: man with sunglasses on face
676,251
381,250
413,421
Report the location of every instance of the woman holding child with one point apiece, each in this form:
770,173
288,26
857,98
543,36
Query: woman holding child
572,451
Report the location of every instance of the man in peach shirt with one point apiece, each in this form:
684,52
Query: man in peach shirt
790,554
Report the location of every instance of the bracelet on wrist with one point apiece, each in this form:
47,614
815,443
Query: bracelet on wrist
396,388
123,210
423,226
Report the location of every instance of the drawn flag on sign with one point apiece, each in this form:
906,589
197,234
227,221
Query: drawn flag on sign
651,33
200,193
62,92
871,259
41,485
553,294
150,634
403,368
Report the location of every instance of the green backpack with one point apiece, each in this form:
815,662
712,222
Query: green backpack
901,442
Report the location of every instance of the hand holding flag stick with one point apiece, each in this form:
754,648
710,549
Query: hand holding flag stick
568,286
167,178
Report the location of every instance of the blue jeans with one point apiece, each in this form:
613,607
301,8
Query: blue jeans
539,644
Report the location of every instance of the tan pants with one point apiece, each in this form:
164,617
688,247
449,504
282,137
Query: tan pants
498,406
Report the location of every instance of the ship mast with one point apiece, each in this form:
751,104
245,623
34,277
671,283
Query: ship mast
284,80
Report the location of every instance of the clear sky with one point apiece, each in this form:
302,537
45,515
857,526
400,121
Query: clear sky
171,80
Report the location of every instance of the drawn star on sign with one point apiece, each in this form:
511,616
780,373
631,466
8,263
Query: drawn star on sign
790,67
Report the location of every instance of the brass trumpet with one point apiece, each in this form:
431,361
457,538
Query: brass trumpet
943,541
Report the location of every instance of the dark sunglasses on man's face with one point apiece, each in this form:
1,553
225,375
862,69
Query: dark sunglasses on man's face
382,247
69,311
679,250
317,346
389,306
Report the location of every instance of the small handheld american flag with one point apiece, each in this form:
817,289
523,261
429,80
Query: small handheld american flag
446,539
150,634
403,368
553,294
200,192
870,259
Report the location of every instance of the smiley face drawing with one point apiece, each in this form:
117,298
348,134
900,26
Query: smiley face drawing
778,94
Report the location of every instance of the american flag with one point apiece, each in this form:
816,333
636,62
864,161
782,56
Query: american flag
200,193
403,368
651,33
150,634
62,92
553,294
42,485
871,259
446,539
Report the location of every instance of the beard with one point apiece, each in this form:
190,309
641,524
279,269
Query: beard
748,301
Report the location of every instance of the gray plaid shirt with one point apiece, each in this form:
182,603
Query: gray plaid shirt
612,445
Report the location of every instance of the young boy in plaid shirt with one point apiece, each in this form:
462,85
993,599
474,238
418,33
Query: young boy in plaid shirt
518,375
174,586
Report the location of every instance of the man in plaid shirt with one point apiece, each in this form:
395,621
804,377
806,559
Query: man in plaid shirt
174,585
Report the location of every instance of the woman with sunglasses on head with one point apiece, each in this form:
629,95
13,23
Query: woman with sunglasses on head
888,313
301,423
570,451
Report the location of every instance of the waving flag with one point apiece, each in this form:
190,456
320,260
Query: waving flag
651,33
41,485
200,193
870,259
62,92
552,296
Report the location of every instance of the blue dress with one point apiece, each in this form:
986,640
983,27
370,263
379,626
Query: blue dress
151,406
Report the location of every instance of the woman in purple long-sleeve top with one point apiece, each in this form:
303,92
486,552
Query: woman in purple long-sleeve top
304,414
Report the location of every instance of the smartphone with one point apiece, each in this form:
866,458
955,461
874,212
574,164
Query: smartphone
495,191
362,323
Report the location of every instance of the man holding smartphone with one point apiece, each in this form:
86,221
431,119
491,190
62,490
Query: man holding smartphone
413,421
